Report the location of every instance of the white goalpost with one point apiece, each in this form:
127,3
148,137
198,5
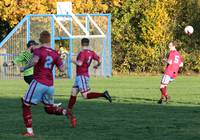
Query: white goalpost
65,8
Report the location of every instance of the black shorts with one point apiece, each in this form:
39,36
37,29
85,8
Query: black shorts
28,79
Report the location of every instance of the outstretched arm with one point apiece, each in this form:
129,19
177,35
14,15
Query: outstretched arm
31,63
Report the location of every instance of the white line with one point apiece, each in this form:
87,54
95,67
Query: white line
62,26
79,23
93,22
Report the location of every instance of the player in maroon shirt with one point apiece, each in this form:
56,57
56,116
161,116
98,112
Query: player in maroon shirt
81,83
174,62
41,88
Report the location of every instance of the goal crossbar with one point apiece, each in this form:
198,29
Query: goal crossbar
84,29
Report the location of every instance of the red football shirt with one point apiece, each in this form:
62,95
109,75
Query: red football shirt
175,60
86,56
43,69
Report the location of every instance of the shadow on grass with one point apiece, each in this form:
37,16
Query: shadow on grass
100,120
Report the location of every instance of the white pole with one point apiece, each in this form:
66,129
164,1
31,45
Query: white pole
93,22
79,23
62,26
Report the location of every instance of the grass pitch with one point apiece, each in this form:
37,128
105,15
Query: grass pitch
134,113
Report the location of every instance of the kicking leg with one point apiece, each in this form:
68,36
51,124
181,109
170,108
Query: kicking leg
93,95
51,109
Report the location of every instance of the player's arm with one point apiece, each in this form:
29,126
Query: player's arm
98,64
19,59
181,65
169,60
80,59
61,68
77,62
181,59
60,64
31,63
97,59
10,63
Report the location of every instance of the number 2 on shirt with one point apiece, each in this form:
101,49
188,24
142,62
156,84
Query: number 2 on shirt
48,62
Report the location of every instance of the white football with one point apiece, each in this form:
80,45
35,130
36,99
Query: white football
189,30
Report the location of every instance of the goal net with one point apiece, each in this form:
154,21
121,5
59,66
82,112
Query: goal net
66,34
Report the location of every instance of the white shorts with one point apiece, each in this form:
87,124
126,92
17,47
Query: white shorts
82,83
166,79
39,92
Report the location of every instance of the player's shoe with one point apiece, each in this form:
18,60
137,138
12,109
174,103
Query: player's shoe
107,96
161,101
57,104
73,121
167,99
27,134
71,117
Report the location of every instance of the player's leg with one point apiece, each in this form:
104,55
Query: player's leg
26,108
74,93
27,117
73,97
48,101
71,104
94,95
83,84
163,89
33,96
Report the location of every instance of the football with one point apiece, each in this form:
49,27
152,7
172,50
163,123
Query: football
189,30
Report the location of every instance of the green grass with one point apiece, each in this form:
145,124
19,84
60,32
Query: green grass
133,115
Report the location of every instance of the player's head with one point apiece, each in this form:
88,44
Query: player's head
30,45
172,45
45,37
85,42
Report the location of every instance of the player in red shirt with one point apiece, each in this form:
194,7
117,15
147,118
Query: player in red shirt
41,88
174,62
81,83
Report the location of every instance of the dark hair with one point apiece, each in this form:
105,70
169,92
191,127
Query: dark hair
44,37
31,42
85,42
175,43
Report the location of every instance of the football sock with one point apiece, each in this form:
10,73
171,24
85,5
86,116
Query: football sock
92,95
54,110
27,116
72,101
164,91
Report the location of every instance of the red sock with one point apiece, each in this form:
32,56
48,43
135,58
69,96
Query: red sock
92,95
27,116
72,101
54,110
164,91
